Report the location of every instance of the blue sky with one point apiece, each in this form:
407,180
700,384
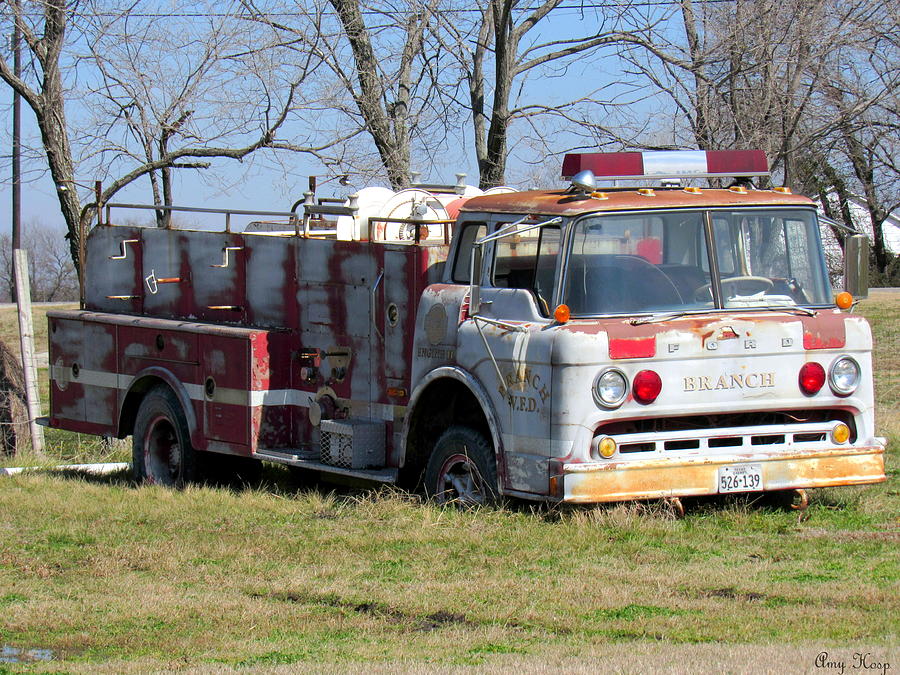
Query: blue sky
258,183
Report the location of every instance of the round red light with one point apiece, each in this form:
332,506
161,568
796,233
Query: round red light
812,378
646,386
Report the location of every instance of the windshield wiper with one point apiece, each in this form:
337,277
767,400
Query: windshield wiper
798,310
655,318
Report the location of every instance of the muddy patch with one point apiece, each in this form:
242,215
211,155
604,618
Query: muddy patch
9,654
416,622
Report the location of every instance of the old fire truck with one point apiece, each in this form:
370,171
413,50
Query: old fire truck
579,345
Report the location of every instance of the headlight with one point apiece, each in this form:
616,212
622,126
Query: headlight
844,376
610,388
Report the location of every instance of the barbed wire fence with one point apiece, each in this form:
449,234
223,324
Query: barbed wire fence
15,436
14,422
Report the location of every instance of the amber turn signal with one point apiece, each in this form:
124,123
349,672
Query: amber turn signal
562,313
843,300
606,447
840,433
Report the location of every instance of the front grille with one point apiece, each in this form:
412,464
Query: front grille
726,442
774,439
727,420
730,432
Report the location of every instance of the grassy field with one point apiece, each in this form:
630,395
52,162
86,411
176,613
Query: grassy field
104,577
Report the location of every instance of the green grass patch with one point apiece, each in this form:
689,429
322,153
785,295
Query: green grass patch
632,612
115,578
149,576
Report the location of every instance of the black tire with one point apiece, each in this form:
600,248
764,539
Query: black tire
162,453
462,469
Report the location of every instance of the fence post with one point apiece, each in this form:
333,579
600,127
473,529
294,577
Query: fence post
26,337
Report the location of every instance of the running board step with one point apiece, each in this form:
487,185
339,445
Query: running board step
306,459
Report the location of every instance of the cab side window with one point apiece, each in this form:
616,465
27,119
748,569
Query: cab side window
470,233
528,260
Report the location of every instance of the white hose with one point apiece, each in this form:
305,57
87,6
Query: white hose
96,469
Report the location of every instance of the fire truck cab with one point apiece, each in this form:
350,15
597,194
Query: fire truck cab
579,345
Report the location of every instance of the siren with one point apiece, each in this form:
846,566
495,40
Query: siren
667,164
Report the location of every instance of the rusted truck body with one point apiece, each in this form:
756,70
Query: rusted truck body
576,345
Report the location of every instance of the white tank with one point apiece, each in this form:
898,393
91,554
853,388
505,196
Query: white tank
370,201
419,204
413,204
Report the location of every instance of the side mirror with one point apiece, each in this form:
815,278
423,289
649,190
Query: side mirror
856,265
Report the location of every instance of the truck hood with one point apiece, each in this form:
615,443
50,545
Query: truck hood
709,336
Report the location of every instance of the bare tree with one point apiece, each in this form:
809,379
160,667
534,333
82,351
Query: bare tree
753,74
384,101
387,81
407,74
221,100
853,168
50,267
503,47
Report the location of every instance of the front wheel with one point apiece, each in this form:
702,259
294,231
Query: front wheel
462,469
162,453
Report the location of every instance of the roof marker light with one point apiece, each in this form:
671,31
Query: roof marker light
783,190
693,190
647,192
740,189
668,164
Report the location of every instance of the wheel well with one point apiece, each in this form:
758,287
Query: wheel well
132,403
446,402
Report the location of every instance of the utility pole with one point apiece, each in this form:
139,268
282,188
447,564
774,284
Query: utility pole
16,141
21,289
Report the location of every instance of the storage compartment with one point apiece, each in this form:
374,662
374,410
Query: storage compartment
353,444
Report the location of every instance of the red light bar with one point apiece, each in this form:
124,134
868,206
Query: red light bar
668,164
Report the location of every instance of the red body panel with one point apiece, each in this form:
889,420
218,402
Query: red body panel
248,329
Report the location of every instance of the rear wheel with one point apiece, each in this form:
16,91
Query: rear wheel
462,469
162,453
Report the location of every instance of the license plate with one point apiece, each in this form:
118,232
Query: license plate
740,478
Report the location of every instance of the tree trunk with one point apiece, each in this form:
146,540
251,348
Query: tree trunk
393,151
492,167
700,124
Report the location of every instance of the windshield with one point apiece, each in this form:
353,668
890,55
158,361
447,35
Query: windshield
659,262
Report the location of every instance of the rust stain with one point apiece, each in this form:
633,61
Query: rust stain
825,331
632,348
663,478
566,204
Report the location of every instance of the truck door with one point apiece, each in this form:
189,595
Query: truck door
521,291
